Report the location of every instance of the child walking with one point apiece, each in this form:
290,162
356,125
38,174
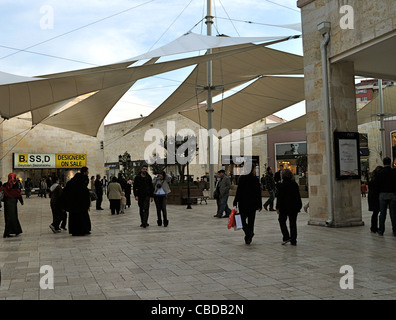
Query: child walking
123,202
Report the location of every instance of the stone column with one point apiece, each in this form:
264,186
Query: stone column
346,193
347,197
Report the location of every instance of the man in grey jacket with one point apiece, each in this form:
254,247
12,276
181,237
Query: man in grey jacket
223,187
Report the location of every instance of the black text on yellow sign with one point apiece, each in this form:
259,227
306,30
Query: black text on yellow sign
70,160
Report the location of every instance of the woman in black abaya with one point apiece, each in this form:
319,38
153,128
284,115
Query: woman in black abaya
12,194
76,200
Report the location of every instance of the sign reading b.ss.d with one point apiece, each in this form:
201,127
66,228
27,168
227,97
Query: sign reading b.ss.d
48,160
33,160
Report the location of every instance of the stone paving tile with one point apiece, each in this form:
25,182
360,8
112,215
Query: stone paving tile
195,258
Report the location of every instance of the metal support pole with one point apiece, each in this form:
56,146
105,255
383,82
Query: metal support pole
209,107
381,115
188,186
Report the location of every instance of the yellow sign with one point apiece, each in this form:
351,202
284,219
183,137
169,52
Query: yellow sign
70,160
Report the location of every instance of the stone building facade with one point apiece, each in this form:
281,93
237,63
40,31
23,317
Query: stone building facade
116,143
351,50
45,142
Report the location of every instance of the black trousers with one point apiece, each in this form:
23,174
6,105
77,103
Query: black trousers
374,221
99,200
292,216
160,204
144,205
115,205
248,217
57,215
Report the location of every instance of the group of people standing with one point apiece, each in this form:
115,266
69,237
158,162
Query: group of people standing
146,190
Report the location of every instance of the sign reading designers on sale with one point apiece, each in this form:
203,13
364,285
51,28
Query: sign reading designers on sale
51,161
70,160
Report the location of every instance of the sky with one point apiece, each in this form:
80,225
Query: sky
47,36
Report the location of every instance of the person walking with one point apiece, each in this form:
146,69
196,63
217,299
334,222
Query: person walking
28,187
56,206
373,198
223,186
269,183
248,200
386,186
128,192
76,200
43,188
11,195
105,184
161,188
278,175
123,202
288,205
114,195
143,190
99,192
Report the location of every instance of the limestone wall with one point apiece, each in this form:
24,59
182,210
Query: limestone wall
134,144
371,20
17,138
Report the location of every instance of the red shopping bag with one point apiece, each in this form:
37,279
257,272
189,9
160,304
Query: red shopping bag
231,219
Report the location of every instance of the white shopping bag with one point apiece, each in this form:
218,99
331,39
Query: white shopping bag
238,222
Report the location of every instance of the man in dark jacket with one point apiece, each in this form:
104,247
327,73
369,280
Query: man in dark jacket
270,187
248,200
386,186
223,186
99,192
143,190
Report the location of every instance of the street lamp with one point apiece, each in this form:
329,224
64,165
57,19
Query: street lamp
188,183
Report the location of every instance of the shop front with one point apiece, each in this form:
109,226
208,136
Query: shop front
290,155
233,165
37,166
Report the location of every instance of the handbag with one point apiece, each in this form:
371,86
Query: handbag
231,218
92,195
238,222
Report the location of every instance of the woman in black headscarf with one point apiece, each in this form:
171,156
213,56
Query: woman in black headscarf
12,194
76,200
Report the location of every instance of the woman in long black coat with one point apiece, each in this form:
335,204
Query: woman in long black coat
248,200
76,200
373,199
288,205
12,194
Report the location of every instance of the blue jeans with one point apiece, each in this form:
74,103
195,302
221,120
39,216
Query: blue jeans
271,199
223,205
387,200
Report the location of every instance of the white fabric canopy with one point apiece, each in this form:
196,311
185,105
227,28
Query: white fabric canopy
79,100
371,111
298,124
21,97
260,99
230,72
191,42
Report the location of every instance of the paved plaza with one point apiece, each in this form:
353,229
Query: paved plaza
195,258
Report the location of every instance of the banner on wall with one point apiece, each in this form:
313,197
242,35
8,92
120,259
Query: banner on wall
48,161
